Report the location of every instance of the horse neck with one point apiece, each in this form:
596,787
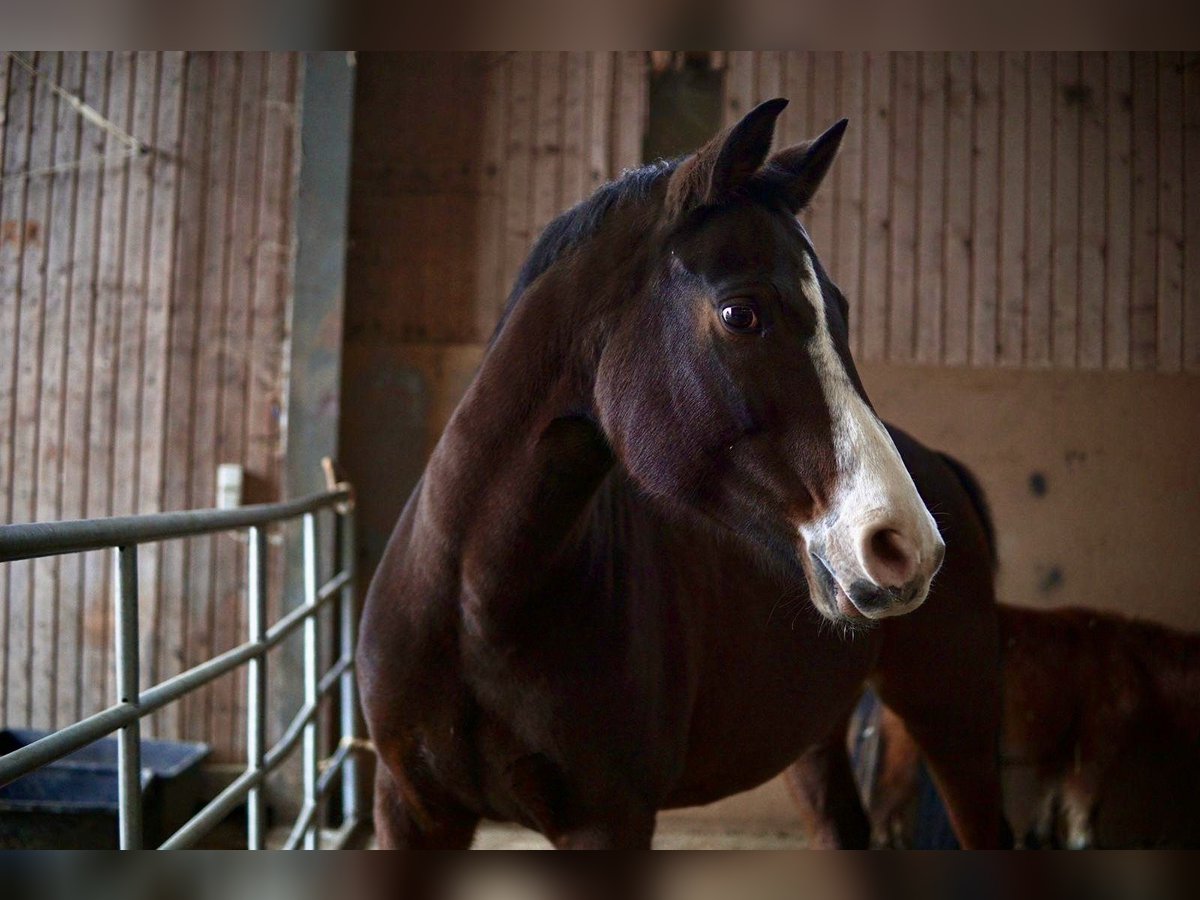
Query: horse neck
506,487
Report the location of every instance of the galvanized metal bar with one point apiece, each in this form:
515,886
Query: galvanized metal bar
340,838
214,812
293,620
256,683
336,840
309,762
291,736
210,670
333,676
332,586
304,820
74,737
343,755
301,828
34,539
129,746
238,789
347,624
197,676
79,734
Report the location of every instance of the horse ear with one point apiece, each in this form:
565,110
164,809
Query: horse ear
726,163
799,170
743,148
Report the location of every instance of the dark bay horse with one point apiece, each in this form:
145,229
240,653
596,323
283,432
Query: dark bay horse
664,539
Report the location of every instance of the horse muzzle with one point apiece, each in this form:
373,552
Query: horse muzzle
887,576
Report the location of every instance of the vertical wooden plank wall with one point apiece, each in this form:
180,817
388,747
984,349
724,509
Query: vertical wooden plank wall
143,305
1013,209
518,138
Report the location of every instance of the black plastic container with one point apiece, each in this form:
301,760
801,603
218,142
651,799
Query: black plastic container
72,803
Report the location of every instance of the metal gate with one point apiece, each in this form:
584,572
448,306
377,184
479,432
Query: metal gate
133,701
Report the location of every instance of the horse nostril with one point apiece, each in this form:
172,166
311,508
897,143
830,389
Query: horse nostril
890,557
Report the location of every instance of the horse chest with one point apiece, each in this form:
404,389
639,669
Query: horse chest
768,689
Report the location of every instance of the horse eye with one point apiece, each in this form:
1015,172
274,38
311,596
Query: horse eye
741,317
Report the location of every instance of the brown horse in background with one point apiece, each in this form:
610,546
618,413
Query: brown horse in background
664,538
1100,740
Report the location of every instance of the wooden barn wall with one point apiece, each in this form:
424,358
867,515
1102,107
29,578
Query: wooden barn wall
1029,210
143,307
473,154
459,161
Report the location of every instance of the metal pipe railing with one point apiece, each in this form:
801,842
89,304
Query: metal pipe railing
36,539
129,742
133,703
256,684
309,772
347,640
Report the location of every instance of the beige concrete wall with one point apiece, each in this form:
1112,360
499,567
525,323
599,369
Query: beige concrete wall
1094,478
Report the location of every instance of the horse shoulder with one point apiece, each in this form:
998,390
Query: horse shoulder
409,631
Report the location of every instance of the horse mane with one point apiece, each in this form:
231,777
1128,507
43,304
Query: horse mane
579,223
979,500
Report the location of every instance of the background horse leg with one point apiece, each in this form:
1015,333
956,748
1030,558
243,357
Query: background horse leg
822,785
1078,800
406,821
939,670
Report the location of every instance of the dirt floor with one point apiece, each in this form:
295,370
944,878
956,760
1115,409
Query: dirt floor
671,835
762,819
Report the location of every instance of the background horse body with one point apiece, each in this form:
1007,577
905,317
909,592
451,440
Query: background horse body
638,570
1089,697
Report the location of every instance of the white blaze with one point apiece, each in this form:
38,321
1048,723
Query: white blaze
873,488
